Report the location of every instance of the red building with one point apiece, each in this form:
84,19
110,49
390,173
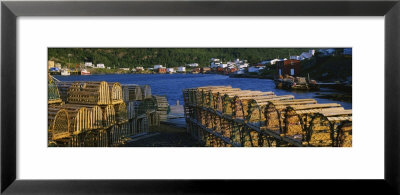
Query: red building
162,70
288,67
219,69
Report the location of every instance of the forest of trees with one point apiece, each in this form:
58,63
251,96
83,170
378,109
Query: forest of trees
171,57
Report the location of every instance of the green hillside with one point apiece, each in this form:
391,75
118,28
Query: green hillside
147,57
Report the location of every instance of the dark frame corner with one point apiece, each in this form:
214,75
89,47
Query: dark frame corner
10,10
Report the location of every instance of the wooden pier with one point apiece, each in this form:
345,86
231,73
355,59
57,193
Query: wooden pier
222,116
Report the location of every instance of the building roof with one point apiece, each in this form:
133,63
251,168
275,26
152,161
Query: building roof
288,62
306,55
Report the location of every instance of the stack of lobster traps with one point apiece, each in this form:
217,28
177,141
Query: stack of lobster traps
222,116
94,114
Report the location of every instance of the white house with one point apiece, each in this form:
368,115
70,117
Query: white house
170,70
88,64
100,66
157,66
215,62
193,64
276,60
139,68
223,65
127,69
181,69
305,55
245,65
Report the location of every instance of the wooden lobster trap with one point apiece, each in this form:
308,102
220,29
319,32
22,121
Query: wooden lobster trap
92,93
53,95
162,106
145,106
131,92
209,92
344,132
323,129
130,109
115,93
297,117
108,116
146,92
63,88
242,102
256,107
80,118
96,115
274,112
58,124
121,115
153,118
142,124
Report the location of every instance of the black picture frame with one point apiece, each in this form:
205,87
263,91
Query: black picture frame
10,10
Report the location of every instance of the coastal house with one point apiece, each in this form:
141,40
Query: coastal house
170,70
50,64
181,69
288,67
277,60
242,65
215,63
223,65
193,64
100,66
305,55
161,70
126,69
139,68
89,64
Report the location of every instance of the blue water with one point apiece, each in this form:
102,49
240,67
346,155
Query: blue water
173,84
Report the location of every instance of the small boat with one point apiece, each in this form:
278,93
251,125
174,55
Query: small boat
298,83
85,72
65,72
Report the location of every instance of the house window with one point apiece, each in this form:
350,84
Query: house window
292,71
280,71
